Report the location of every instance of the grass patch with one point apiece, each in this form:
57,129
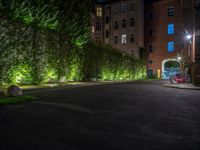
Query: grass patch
16,100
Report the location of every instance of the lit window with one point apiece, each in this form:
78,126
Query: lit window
99,11
124,39
171,12
170,29
171,47
93,29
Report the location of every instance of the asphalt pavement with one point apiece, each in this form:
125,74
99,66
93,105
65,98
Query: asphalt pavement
141,115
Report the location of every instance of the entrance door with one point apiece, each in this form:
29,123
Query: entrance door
170,68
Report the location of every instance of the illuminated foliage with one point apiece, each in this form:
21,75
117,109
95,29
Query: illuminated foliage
50,75
20,74
48,41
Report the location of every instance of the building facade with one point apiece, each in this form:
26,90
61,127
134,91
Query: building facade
97,23
165,38
196,44
122,25
168,29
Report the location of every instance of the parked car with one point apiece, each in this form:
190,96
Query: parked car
179,78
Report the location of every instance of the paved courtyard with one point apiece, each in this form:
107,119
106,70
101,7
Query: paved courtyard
141,115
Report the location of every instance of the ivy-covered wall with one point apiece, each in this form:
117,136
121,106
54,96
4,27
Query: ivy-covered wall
32,57
43,43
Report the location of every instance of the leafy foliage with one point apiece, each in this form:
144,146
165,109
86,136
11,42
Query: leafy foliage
47,41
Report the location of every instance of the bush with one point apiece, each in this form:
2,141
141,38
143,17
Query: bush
28,57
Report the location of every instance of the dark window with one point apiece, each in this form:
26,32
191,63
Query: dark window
116,40
132,38
171,12
123,23
107,19
107,34
116,25
132,22
150,16
124,8
132,6
98,26
98,39
150,31
150,48
150,73
150,62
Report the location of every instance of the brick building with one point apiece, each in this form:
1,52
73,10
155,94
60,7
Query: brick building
165,40
196,44
120,23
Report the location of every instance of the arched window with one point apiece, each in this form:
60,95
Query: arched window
170,11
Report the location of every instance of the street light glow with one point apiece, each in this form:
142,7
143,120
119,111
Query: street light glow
189,36
179,58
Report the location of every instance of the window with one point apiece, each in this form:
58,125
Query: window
171,12
150,48
124,8
170,29
124,39
98,39
116,40
107,34
93,29
132,51
150,31
98,26
116,10
171,47
123,23
99,12
150,62
150,16
132,6
107,20
116,26
132,22
132,38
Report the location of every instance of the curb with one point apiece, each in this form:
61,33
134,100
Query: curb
83,84
179,87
